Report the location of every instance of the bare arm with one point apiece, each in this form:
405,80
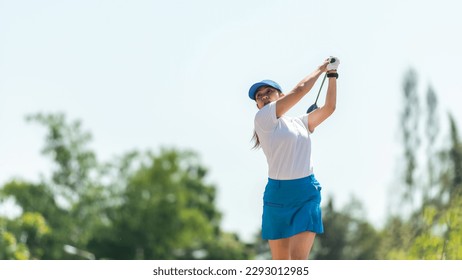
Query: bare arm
318,116
289,100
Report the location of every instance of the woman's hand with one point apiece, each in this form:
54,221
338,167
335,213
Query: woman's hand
334,64
328,65
323,66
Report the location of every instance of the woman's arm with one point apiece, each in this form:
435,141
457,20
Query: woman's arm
319,115
289,100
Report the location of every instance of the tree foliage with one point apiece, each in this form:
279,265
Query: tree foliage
433,229
138,206
347,236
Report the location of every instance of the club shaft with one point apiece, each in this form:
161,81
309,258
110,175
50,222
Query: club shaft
325,75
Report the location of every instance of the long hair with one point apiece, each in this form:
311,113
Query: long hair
256,141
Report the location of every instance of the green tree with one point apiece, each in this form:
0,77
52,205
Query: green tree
10,248
166,211
410,117
432,131
37,200
433,230
138,206
68,200
442,239
348,235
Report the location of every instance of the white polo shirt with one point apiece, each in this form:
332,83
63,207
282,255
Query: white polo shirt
286,143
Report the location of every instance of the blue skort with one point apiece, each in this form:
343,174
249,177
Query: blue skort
291,207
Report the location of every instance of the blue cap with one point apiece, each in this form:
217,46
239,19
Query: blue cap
253,89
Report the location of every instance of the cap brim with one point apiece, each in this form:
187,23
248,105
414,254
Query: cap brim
253,89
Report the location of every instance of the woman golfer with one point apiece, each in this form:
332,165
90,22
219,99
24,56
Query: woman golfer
291,202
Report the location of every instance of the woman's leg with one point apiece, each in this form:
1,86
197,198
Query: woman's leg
280,248
300,245
296,247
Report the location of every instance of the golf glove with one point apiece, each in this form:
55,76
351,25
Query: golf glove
333,65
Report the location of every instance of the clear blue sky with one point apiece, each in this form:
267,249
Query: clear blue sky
150,74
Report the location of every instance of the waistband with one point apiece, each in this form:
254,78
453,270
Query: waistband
298,180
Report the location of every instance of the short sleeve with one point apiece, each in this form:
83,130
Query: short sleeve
265,119
304,119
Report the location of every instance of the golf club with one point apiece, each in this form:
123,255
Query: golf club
315,105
